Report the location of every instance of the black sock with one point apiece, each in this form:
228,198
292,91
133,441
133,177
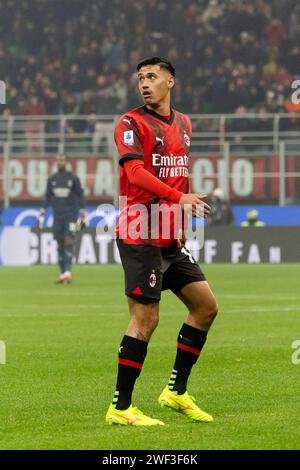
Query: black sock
189,345
132,353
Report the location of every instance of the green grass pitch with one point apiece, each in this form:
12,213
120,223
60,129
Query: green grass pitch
62,343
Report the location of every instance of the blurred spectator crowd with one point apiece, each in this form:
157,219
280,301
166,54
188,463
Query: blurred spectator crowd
79,57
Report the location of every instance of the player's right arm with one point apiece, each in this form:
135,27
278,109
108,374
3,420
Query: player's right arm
130,147
47,201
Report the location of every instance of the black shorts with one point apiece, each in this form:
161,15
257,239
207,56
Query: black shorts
149,270
64,226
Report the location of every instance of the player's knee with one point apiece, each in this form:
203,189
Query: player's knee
147,327
144,317
155,321
206,311
211,310
151,318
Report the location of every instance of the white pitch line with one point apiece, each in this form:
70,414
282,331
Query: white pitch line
242,309
59,315
259,296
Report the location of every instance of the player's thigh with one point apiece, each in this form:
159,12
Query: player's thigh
143,272
59,229
198,297
186,279
183,270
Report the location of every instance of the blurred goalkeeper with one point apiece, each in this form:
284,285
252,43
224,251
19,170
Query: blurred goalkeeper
65,195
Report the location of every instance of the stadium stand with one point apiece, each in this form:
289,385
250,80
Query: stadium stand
71,57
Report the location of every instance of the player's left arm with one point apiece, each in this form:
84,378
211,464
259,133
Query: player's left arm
183,236
46,203
48,195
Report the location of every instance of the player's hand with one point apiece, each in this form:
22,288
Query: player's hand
41,219
193,204
81,222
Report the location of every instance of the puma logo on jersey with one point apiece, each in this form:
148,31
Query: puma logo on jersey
127,120
160,139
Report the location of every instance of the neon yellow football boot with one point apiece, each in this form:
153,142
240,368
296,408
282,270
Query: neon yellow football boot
185,404
130,417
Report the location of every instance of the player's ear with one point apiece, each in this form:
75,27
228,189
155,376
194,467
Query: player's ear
171,81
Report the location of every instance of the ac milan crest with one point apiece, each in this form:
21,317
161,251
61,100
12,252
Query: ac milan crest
152,280
186,139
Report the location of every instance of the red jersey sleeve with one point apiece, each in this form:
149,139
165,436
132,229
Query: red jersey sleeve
142,178
128,140
190,127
